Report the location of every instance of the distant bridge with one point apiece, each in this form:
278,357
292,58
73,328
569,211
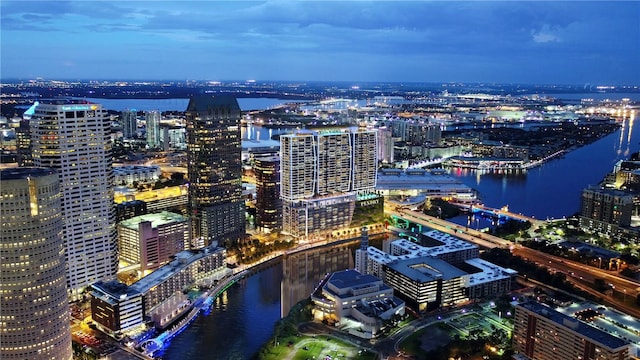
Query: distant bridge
500,214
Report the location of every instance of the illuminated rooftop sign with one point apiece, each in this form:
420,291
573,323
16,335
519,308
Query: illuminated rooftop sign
79,107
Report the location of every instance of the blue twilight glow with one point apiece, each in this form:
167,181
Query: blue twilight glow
480,41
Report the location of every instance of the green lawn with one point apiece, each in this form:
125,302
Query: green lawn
305,347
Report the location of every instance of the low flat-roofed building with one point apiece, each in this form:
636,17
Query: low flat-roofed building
415,182
190,267
350,296
439,245
542,333
426,282
130,174
115,307
152,239
173,198
475,277
490,279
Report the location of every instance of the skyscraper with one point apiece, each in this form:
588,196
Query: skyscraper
153,129
34,312
214,166
23,144
129,120
73,137
268,203
322,174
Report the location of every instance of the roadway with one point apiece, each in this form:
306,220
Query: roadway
579,274
477,237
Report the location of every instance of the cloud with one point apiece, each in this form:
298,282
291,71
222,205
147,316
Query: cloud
466,38
544,35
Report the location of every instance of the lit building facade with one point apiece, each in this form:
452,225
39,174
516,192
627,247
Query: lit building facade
321,174
215,168
360,297
268,202
152,126
385,145
130,174
425,282
542,333
414,131
23,144
445,272
151,240
34,310
129,119
73,137
116,307
605,210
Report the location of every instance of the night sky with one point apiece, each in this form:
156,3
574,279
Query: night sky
499,42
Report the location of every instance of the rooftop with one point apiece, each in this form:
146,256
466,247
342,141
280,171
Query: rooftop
351,279
489,272
156,219
25,172
426,269
580,327
203,103
183,259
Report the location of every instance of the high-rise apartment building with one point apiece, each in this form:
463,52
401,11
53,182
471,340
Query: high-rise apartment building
129,119
321,175
542,333
214,166
268,202
153,129
605,210
73,137
34,310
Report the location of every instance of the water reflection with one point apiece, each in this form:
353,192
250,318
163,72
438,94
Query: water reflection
553,189
303,271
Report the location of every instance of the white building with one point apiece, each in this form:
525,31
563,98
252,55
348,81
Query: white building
321,174
348,296
34,310
72,137
419,273
129,119
129,174
152,126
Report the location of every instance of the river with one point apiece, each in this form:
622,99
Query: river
553,189
240,322
243,318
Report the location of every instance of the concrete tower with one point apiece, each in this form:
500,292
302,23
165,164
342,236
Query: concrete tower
34,310
73,137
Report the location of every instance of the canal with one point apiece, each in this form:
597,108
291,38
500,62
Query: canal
243,317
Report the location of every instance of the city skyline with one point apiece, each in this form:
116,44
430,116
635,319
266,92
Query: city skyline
505,42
